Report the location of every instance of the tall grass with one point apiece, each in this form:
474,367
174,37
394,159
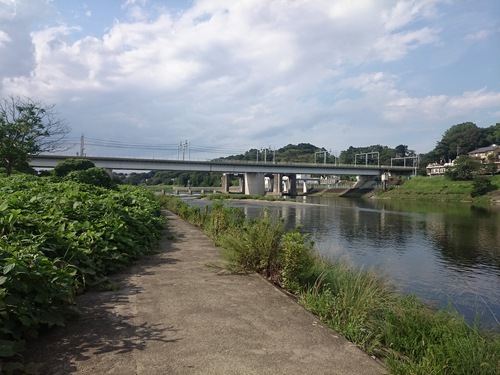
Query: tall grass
410,336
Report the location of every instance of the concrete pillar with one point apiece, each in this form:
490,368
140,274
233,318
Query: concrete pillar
242,184
292,179
304,186
254,184
277,183
225,183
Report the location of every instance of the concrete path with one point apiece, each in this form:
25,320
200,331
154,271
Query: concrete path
171,314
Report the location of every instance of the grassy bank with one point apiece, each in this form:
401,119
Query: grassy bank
438,189
411,337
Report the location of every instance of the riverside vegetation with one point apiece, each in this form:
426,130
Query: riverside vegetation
59,237
481,189
410,336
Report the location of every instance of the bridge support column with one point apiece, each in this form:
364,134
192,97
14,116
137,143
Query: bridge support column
292,180
304,187
226,182
254,184
278,184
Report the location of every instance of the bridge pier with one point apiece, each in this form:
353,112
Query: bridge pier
254,183
277,184
225,183
291,185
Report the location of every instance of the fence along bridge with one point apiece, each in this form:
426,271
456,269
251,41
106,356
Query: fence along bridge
253,173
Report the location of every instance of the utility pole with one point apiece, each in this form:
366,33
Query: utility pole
184,146
82,145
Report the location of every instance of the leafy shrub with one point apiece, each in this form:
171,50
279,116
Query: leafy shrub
72,164
464,168
297,261
255,246
481,186
57,238
93,176
221,218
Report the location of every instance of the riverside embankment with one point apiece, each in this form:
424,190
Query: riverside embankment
171,314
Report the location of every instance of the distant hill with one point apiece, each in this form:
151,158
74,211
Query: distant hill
301,153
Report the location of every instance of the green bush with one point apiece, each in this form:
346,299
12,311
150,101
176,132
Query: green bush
255,246
92,176
72,164
57,238
297,261
481,186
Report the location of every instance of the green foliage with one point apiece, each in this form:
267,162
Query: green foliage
422,341
93,176
221,219
297,261
459,140
384,157
72,164
57,238
350,301
481,186
178,178
255,246
27,127
465,168
493,136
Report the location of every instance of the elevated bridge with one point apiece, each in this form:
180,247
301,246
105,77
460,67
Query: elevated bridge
254,172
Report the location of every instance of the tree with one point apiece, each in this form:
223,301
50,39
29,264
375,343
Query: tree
71,164
494,134
28,127
459,140
465,168
92,176
481,186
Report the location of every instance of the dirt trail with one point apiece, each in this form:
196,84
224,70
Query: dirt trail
171,314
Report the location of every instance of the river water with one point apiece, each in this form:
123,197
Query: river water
447,254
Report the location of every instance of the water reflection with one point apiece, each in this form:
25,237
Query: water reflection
445,253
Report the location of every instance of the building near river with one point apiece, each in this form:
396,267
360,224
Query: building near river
437,169
487,154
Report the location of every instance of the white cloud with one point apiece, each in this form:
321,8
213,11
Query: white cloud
408,11
478,35
238,71
441,106
4,39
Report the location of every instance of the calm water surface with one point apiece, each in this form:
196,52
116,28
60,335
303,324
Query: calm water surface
444,253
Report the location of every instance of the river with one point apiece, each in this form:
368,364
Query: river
447,254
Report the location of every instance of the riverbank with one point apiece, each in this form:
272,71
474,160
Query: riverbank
410,335
171,314
439,189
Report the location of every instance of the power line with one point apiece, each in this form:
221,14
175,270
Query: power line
149,146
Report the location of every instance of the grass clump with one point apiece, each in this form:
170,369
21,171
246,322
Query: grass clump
411,337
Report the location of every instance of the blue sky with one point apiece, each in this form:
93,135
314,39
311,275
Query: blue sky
231,75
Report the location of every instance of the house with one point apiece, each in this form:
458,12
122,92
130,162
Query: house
437,169
487,154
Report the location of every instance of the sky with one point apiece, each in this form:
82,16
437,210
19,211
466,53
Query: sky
210,78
